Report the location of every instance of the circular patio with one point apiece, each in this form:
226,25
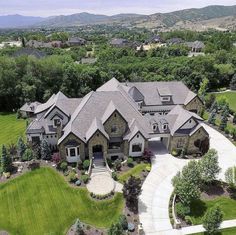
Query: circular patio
101,184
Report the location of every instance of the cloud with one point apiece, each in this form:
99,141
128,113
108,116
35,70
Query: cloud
109,7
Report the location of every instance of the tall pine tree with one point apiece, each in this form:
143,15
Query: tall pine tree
20,148
45,150
6,163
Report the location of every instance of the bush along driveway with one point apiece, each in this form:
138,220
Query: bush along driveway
157,188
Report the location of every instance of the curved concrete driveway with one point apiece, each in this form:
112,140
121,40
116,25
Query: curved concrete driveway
157,188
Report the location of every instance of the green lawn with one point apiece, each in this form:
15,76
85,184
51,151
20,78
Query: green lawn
227,231
231,96
11,128
198,208
135,171
41,202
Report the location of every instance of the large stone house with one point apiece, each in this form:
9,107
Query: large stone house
119,119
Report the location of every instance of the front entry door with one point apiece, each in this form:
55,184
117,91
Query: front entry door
98,151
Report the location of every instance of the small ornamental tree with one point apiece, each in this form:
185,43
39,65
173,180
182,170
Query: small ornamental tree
131,191
28,155
212,220
45,150
230,177
209,166
223,122
212,117
6,163
186,191
78,228
20,147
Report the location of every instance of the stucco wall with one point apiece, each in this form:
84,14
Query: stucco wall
62,146
115,120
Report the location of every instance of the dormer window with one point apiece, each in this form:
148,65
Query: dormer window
165,98
165,126
140,104
154,127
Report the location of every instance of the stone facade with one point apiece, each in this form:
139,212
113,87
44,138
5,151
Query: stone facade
195,105
115,121
178,142
97,139
71,137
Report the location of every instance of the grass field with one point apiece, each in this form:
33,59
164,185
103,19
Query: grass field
41,202
198,208
231,96
227,231
135,171
11,128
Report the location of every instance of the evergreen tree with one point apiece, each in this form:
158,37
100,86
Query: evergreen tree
212,117
223,122
214,106
20,147
116,229
45,150
6,163
212,220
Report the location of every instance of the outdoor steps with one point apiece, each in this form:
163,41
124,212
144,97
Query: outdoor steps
99,170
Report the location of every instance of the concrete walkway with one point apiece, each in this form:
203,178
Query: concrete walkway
156,191
157,188
226,150
199,228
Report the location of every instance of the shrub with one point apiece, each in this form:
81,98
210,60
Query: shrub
117,164
27,155
86,164
109,162
175,153
34,165
130,162
63,166
182,210
114,175
72,177
147,154
123,222
188,220
56,158
85,178
148,168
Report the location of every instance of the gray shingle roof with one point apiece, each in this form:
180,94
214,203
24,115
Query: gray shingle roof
150,90
30,107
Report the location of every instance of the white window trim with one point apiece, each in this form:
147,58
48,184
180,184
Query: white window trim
136,144
68,151
165,127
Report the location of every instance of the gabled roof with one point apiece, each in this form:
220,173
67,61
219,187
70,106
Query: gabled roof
110,85
180,117
30,107
111,108
96,126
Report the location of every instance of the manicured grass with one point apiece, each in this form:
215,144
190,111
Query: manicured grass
198,208
135,171
11,128
41,202
231,96
227,231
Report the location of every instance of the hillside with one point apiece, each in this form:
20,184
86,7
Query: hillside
218,17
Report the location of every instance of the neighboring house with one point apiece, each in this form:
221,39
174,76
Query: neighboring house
155,39
30,52
76,41
27,110
196,46
10,44
120,42
175,41
40,44
118,120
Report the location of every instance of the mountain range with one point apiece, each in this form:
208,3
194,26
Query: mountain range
215,16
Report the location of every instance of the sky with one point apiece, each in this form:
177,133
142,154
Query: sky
108,7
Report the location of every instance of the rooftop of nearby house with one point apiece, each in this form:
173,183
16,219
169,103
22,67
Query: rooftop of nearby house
196,44
29,52
119,41
30,107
